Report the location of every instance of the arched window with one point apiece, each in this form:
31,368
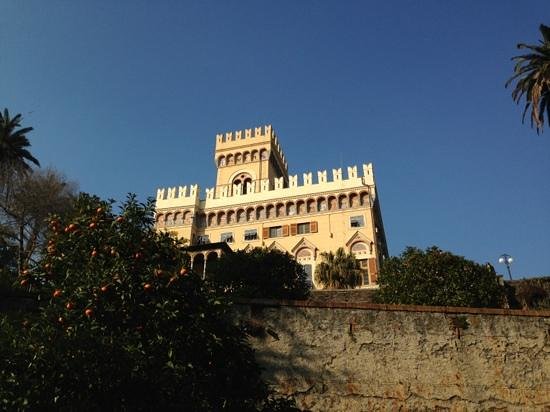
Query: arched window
343,202
364,198
169,219
246,157
178,219
238,158
332,203
359,248
230,217
353,200
230,159
290,209
242,179
250,214
270,212
264,154
300,207
280,210
187,217
321,204
311,206
260,213
221,218
212,219
221,161
240,216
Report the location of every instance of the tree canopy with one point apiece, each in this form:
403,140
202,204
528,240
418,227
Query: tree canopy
338,270
436,277
532,77
124,325
259,273
14,153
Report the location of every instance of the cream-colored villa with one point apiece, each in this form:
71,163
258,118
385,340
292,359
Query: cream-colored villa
255,203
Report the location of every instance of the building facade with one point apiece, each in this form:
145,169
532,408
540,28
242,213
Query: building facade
256,203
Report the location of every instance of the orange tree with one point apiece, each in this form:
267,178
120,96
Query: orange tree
123,325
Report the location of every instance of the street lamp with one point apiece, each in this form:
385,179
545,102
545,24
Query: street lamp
507,260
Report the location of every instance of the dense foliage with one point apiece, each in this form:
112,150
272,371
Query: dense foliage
259,273
532,77
339,270
123,325
436,277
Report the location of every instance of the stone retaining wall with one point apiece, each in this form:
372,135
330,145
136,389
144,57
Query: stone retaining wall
364,357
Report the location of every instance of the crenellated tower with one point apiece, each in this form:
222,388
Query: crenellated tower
256,203
246,158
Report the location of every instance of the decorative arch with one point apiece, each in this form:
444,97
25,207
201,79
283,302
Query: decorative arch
264,154
290,208
364,198
178,218
302,245
230,159
311,207
276,246
187,217
169,219
255,155
212,221
159,219
241,216
358,239
221,218
260,213
246,157
353,200
270,212
250,214
230,217
332,203
300,207
280,209
322,204
342,202
221,161
238,158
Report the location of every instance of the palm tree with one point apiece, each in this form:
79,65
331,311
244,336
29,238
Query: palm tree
13,145
532,74
338,270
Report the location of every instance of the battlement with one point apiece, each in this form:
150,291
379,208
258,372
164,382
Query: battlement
264,189
246,137
258,133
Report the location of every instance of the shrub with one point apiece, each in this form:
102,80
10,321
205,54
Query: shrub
259,273
436,277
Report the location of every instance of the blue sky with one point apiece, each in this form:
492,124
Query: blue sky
127,96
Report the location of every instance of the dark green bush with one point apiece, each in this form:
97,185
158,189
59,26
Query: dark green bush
259,273
436,277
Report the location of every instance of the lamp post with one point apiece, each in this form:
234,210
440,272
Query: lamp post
507,260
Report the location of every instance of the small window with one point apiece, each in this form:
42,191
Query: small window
357,221
203,239
276,231
250,234
227,237
303,228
